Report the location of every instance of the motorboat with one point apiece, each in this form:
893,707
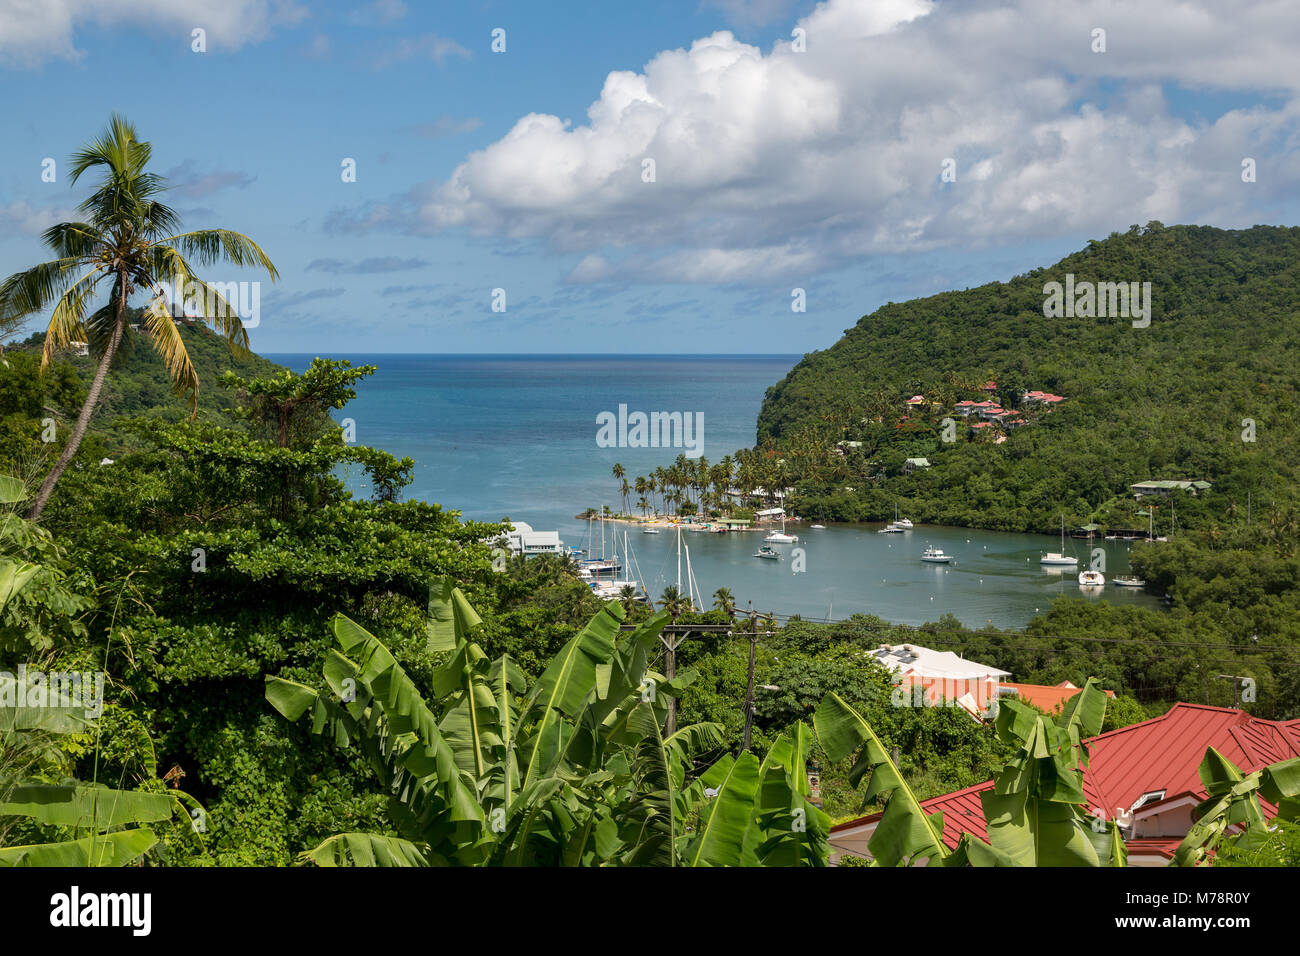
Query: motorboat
770,553
935,556
1128,581
818,527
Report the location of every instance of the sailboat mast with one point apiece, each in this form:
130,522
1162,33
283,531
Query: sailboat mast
679,559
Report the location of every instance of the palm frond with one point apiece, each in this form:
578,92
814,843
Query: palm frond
32,290
67,324
73,240
209,246
210,304
167,342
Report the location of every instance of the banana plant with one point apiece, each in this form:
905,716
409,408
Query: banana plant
116,822
1035,815
574,771
1233,801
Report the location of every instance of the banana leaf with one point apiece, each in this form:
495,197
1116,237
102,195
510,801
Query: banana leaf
905,833
367,849
84,805
119,848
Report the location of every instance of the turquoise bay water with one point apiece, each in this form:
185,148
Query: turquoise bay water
515,435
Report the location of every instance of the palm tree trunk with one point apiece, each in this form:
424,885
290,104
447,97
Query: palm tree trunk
83,420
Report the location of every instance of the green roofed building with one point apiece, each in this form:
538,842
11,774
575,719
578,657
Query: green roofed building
1167,487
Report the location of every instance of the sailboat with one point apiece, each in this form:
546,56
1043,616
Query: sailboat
1091,579
897,526
780,537
1059,558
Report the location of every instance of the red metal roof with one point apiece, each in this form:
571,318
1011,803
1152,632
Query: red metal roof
1159,754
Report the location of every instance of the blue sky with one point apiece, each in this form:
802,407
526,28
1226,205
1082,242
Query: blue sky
776,168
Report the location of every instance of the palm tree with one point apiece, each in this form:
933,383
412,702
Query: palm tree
725,602
674,602
627,597
130,242
619,473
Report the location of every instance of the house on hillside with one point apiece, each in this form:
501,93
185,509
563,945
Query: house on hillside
1145,776
930,678
1041,398
1050,699
912,464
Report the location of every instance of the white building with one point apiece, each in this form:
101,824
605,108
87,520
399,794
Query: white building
522,539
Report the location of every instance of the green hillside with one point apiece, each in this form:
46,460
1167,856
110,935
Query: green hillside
1163,402
139,385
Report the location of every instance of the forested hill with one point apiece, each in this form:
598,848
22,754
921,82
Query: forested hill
1165,401
139,384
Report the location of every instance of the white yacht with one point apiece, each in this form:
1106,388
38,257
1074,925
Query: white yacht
1091,579
780,537
935,556
1128,582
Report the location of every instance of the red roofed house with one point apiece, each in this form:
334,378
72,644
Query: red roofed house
916,400
1145,774
990,386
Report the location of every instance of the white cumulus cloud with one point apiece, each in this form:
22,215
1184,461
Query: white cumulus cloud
774,163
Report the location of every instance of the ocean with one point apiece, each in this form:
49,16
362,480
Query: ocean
497,436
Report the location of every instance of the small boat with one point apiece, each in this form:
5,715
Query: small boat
902,524
1128,581
649,530
935,556
818,527
1091,579
1059,558
770,553
891,528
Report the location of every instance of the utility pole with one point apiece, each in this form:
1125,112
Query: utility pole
749,685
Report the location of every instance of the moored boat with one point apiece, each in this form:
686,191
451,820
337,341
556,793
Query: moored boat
770,554
935,556
1059,558
1091,579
